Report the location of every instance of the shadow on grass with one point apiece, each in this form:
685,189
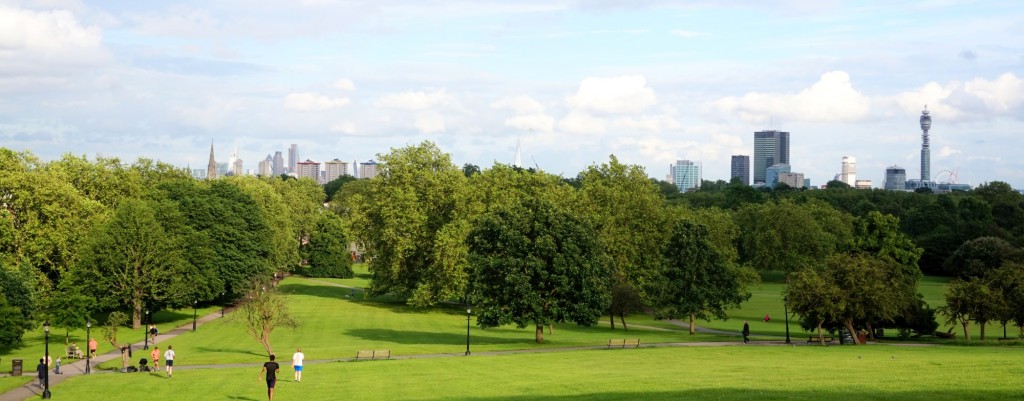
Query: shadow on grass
747,394
226,350
392,303
421,337
238,397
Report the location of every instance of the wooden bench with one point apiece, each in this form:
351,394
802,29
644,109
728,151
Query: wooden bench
74,354
624,342
374,354
814,339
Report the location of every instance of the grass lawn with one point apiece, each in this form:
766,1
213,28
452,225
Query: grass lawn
10,382
667,373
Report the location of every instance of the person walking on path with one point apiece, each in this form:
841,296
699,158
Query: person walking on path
56,368
169,361
41,370
297,363
152,333
272,369
746,332
92,346
155,354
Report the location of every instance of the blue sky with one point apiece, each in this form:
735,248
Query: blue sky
574,81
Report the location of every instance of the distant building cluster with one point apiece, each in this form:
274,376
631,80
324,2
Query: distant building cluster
274,165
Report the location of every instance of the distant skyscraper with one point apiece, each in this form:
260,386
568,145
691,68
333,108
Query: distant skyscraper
519,155
308,169
211,168
895,178
334,169
685,175
926,153
222,169
266,167
740,168
293,158
794,180
849,172
279,164
770,148
368,169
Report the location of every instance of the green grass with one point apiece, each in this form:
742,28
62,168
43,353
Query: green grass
8,383
666,373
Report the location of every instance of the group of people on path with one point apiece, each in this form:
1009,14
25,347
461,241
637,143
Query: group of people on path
272,368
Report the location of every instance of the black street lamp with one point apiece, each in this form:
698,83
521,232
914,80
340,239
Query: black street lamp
46,361
88,350
194,316
222,306
145,331
469,312
785,309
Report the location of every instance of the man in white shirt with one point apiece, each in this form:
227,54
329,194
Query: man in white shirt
169,361
297,363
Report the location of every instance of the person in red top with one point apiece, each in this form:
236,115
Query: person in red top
155,354
92,346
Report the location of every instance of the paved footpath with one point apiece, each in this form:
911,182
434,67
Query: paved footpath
77,368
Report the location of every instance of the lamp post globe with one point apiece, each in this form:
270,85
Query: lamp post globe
46,361
88,347
469,312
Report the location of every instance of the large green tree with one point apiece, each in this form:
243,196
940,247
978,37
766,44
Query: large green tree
815,298
536,263
787,236
328,249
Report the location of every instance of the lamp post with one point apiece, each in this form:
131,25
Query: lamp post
222,306
469,311
145,331
194,315
46,360
785,310
88,350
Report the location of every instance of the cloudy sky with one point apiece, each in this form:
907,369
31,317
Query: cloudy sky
572,81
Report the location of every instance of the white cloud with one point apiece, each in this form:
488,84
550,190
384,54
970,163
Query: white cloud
313,102
578,122
346,128
535,122
831,99
519,104
429,122
658,123
947,151
344,84
415,101
687,34
615,95
976,99
55,30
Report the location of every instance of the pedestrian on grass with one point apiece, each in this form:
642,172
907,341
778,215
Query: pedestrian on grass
746,332
155,354
41,370
152,333
92,346
56,368
297,363
169,361
767,318
272,369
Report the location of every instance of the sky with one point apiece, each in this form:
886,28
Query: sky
570,82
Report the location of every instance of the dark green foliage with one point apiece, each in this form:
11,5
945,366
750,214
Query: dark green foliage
332,187
470,169
536,263
16,307
978,256
328,249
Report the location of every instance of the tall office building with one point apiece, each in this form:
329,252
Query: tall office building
849,172
770,148
895,178
266,167
211,168
740,168
222,169
293,158
368,169
334,169
279,164
685,175
926,153
308,169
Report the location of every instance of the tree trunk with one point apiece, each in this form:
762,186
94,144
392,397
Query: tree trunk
821,338
693,329
982,326
136,313
551,329
611,318
853,333
622,316
540,334
871,331
967,333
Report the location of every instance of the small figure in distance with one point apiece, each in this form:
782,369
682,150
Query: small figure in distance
56,368
152,333
297,363
272,369
41,370
767,318
155,354
92,346
746,332
169,361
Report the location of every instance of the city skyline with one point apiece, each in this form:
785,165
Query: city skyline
567,83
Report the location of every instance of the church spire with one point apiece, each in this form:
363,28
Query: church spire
211,169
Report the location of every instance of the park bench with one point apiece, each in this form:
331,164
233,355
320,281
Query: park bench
814,338
624,342
74,353
374,354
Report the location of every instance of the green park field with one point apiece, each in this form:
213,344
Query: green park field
220,361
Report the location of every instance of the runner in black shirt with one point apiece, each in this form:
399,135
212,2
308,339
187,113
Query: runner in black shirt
272,370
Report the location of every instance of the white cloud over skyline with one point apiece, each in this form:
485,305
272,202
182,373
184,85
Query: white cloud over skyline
651,82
